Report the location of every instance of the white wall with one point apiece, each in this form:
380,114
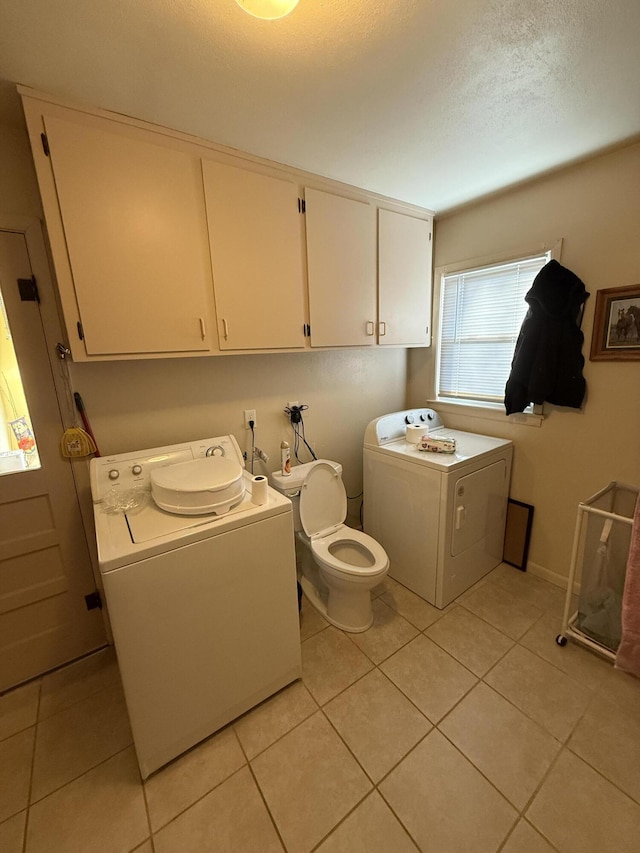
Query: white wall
140,404
18,186
595,208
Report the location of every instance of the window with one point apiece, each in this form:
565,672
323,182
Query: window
18,449
481,312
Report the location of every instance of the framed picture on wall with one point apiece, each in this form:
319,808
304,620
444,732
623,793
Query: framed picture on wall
517,534
616,325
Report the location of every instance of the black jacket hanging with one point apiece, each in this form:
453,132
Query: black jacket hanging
547,362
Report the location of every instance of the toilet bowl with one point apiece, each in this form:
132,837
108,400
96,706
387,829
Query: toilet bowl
339,565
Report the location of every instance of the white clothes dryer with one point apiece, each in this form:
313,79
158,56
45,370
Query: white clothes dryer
203,607
439,516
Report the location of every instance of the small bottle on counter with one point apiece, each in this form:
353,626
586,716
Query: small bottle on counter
285,457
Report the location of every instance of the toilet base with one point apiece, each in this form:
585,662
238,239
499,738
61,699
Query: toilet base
354,612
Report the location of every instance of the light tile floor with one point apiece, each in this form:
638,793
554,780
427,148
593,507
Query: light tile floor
466,730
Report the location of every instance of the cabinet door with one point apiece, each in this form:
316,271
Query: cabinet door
135,228
404,279
255,233
341,265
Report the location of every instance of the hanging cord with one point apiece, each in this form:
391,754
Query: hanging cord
66,381
299,435
297,424
361,508
253,443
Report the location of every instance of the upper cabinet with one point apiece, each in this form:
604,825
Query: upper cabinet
133,249
351,305
255,234
341,268
166,245
404,279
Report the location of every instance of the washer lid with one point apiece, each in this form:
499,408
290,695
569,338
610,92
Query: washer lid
323,500
211,474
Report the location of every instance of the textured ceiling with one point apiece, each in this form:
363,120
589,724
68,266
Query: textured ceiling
435,102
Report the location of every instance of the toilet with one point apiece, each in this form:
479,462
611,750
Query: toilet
338,566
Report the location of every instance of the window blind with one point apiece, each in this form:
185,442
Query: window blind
481,313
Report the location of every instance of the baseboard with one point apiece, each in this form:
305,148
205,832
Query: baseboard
553,577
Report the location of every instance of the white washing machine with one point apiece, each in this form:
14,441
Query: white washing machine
439,516
203,606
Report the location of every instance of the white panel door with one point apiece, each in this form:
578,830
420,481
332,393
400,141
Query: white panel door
135,228
341,265
255,234
45,568
404,279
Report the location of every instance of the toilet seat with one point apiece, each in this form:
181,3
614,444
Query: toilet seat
323,509
323,500
322,547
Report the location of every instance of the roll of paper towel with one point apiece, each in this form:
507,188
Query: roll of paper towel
259,490
415,432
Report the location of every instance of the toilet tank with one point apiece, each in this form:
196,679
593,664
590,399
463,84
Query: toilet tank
291,485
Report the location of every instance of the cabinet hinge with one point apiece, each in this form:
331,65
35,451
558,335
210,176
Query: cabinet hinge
28,289
45,143
80,330
302,206
93,600
306,330
63,352
429,236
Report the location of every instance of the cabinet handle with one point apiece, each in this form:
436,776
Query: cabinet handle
370,327
382,328
203,331
225,329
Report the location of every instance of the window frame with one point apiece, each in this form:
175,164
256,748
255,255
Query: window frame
532,416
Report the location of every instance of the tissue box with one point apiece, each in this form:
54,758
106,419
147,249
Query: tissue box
440,444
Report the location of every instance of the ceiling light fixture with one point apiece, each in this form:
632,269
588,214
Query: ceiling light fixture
268,10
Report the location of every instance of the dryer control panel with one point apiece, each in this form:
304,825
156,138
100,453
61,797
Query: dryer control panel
394,426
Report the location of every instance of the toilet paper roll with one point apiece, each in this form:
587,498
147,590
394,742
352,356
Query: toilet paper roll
415,432
259,490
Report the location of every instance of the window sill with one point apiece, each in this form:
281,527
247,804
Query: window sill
486,411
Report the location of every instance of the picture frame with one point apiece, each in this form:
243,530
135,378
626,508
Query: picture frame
517,534
616,324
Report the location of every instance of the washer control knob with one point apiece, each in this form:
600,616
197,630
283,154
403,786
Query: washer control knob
216,450
136,470
114,474
423,417
409,419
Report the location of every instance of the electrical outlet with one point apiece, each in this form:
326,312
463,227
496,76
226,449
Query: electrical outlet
292,404
250,415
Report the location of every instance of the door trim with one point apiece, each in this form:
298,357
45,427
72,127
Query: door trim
37,248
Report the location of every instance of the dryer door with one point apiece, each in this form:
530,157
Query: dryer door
479,509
